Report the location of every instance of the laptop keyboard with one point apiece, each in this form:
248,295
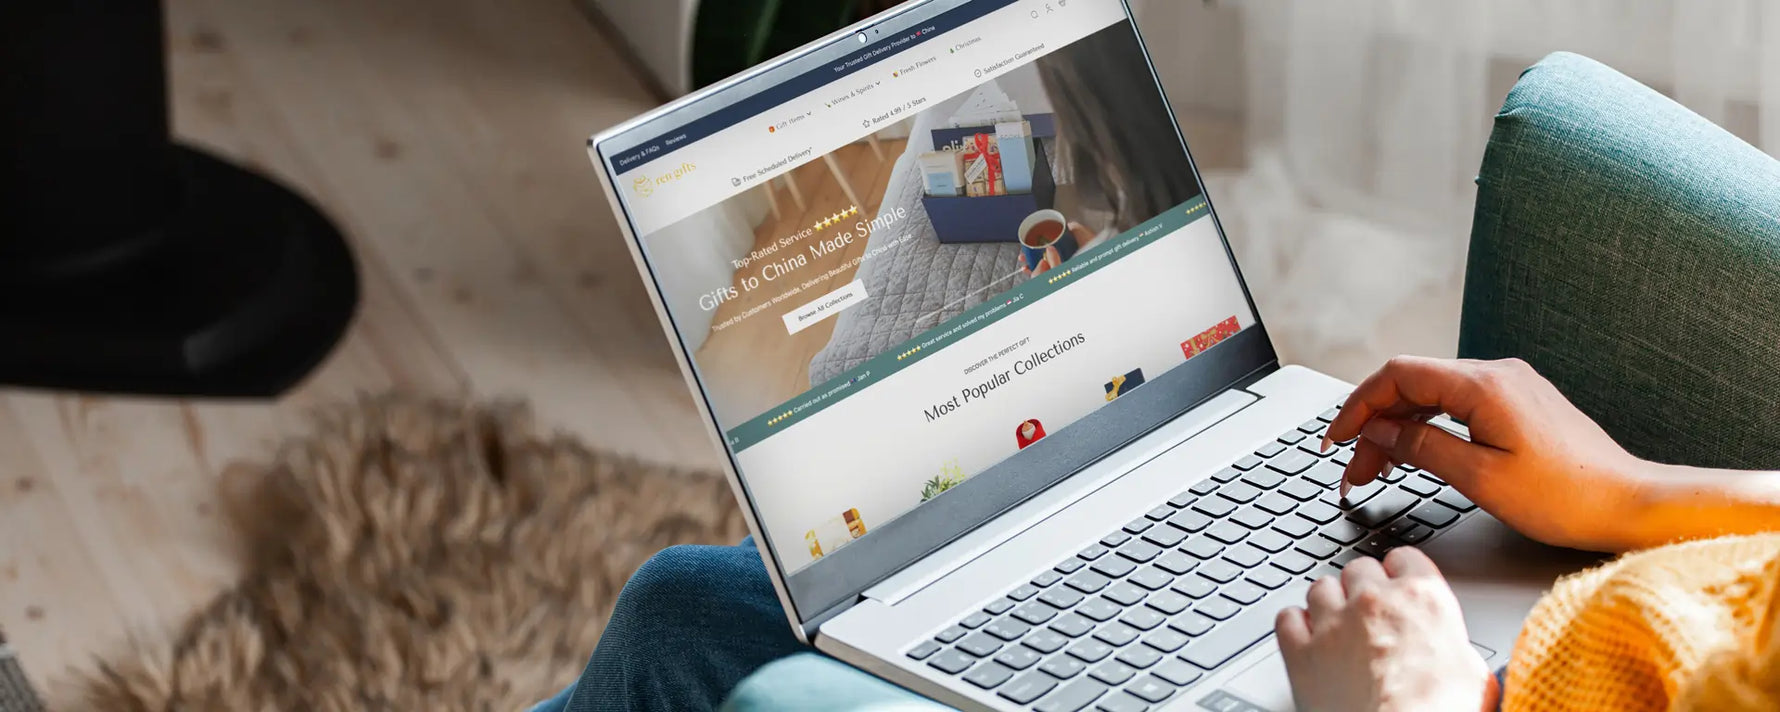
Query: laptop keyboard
1150,608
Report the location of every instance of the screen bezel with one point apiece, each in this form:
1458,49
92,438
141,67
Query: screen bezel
833,583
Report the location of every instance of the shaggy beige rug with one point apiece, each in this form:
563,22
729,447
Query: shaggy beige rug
417,554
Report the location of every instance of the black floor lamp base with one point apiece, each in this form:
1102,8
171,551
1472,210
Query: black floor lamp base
245,290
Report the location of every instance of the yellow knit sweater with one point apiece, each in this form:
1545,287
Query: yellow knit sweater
1688,627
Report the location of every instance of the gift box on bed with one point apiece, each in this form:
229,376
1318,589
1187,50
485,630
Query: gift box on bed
994,218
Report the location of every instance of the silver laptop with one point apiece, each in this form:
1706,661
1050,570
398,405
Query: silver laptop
1005,423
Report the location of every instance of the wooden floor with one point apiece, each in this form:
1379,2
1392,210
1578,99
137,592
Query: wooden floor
754,361
446,137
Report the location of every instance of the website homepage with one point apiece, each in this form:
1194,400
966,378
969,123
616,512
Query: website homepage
893,282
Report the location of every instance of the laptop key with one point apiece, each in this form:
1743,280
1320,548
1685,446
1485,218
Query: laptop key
1191,623
1150,688
923,650
1121,702
1166,640
1073,696
1113,540
1060,598
1301,490
1317,547
1343,531
1227,532
1087,582
1019,658
1034,614
1377,545
1202,547
1161,512
1214,507
1046,579
1099,609
989,675
1124,594
1229,473
1239,492
1143,618
1434,514
1292,462
1139,656
1294,527
950,634
1314,426
1092,552
1178,672
1008,629
1416,535
1327,474
1090,651
1073,625
1393,475
1342,559
1328,416
1242,592
1314,448
1421,487
1219,571
1252,517
1269,541
1383,508
1113,672
1246,463
1152,578
1193,587
974,620
1165,537
1358,496
1276,504
1293,562
1069,566
1114,566
1175,562
1204,487
1168,602
1319,512
1291,437
1237,634
1264,478
1245,556
1268,578
1116,634
980,644
1189,521
1452,498
1045,641
1269,450
951,662
1028,687
1182,500
1139,551
999,607
1138,525
1063,667
1217,608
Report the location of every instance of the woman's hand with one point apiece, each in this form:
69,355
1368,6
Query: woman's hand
1383,638
1534,460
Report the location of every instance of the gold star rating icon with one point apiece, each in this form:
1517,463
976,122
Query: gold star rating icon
778,418
836,218
908,353
1056,277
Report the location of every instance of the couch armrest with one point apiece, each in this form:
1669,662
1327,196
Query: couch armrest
1630,251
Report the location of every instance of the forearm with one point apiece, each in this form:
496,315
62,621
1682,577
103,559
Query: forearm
1678,503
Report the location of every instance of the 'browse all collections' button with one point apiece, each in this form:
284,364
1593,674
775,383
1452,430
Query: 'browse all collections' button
825,306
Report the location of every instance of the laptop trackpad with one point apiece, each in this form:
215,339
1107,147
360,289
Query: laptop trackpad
1262,686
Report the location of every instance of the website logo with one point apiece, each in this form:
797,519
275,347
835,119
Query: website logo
645,185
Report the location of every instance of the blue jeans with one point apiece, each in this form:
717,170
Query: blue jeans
689,625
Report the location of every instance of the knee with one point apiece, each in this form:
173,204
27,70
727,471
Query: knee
679,578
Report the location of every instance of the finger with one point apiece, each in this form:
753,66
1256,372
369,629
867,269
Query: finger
1324,601
1406,561
1044,265
1053,256
1414,382
1431,448
1368,460
1292,627
1083,235
1361,574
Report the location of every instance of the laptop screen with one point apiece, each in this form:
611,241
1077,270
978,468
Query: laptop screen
918,255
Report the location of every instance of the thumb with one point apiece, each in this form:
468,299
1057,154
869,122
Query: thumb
1431,448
